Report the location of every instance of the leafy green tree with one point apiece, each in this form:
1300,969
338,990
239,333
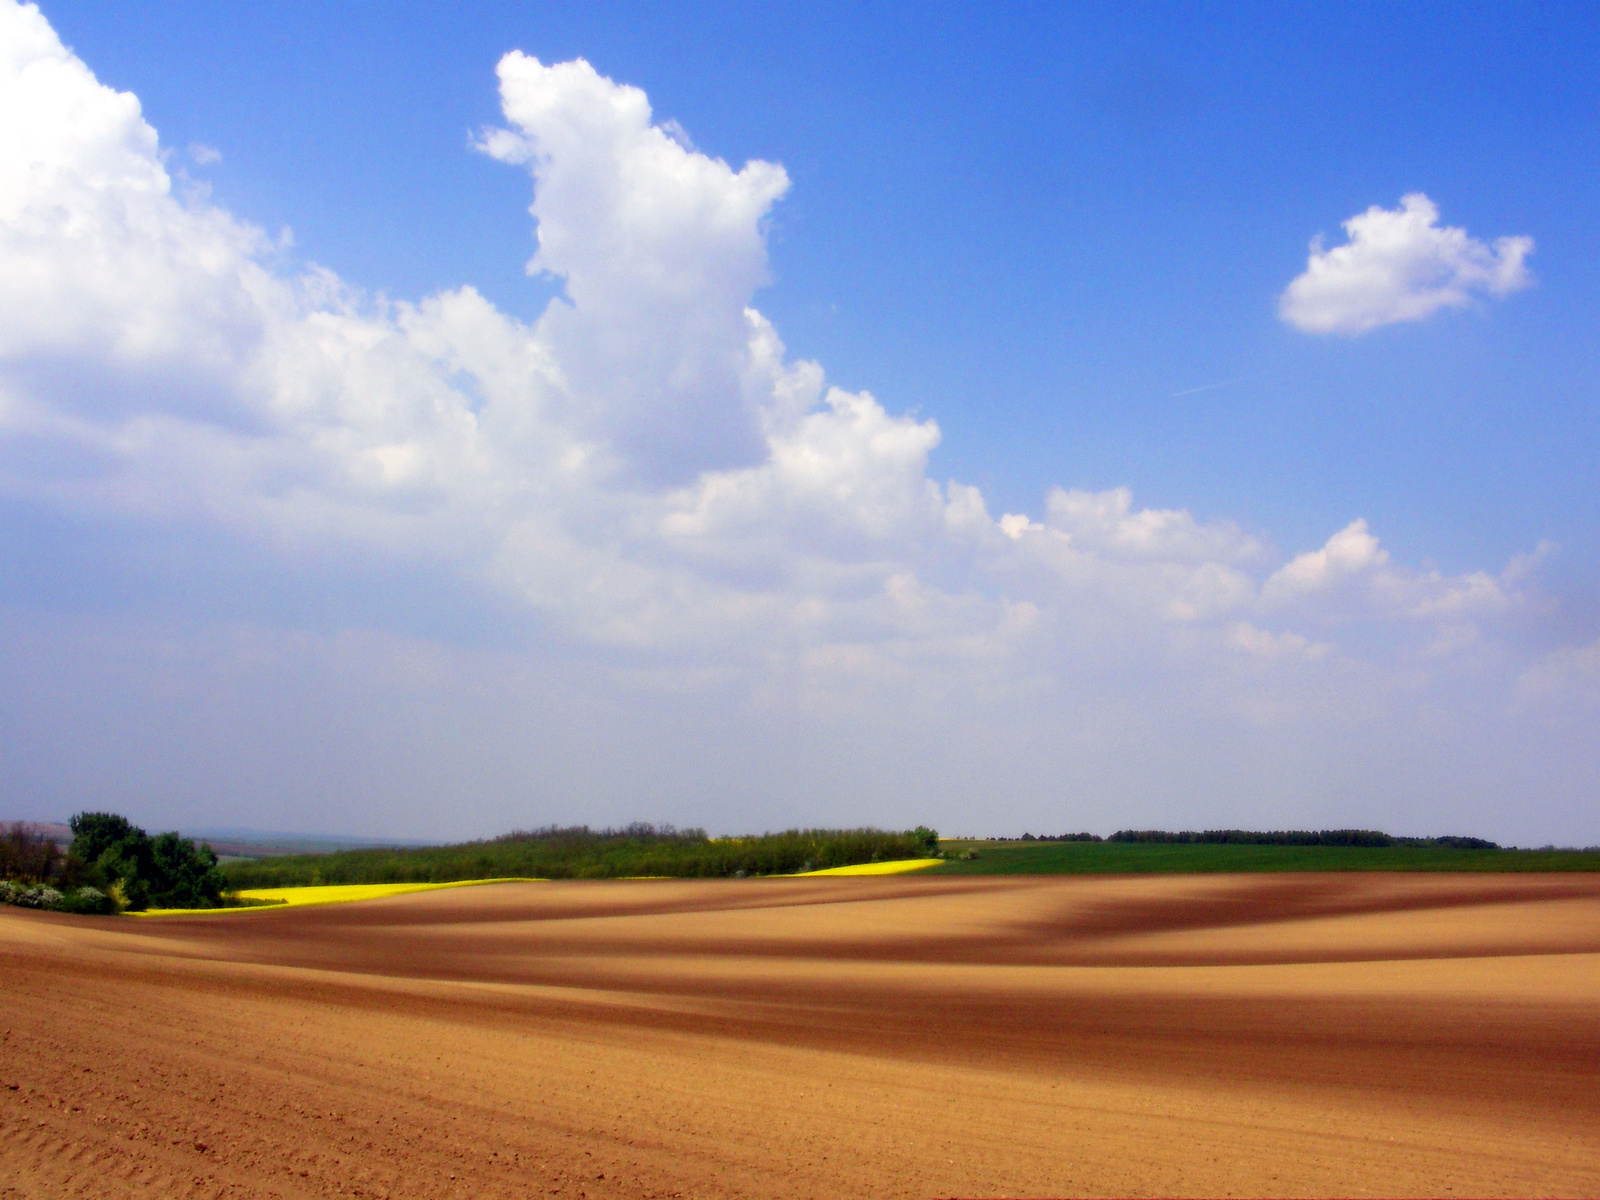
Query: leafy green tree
96,833
118,851
166,871
186,876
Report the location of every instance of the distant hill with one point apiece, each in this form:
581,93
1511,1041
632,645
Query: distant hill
233,842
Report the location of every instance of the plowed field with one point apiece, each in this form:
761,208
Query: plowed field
916,1036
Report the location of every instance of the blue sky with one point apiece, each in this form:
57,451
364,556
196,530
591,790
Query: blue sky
1059,233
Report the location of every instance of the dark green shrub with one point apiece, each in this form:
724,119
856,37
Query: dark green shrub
185,875
87,901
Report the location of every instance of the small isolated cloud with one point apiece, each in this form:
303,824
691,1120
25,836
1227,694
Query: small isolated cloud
203,154
1399,265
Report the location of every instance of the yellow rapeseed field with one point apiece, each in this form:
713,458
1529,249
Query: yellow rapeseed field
880,868
342,892
329,894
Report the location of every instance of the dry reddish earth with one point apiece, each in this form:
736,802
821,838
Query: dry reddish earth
1217,1035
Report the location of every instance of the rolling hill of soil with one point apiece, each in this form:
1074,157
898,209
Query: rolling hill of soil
901,1036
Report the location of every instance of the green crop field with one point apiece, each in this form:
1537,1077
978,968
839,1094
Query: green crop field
1116,858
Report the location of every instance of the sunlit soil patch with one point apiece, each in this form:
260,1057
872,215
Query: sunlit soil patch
880,868
268,899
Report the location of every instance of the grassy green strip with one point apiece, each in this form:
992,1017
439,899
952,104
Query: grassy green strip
1117,858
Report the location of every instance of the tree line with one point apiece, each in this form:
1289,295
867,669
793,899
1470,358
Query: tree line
579,852
1251,837
1296,837
112,865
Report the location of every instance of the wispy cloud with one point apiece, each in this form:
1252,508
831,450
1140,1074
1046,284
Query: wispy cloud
1211,387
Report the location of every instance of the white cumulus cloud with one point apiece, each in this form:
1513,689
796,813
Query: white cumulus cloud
1351,575
1400,265
660,248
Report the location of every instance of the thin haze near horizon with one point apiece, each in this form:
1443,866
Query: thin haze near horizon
996,419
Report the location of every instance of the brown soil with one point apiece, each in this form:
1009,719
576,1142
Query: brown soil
1218,1035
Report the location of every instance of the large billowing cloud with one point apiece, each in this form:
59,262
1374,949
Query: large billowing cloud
660,249
725,590
1400,265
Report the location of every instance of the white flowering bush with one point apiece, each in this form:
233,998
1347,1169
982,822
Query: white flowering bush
37,896
86,900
